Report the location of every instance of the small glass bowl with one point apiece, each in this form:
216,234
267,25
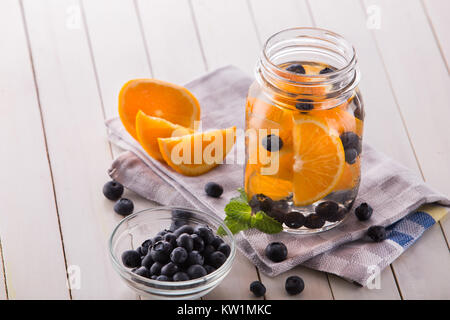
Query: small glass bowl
145,224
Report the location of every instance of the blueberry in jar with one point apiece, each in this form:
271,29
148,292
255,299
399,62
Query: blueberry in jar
294,285
296,68
363,212
131,259
185,241
304,104
196,271
338,216
261,202
179,255
272,143
294,219
113,190
351,155
327,209
257,288
124,207
276,251
326,70
213,189
351,140
313,221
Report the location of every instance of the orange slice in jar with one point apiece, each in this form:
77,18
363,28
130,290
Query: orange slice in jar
350,176
273,187
319,159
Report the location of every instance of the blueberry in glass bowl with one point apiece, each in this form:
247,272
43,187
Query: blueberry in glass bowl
144,251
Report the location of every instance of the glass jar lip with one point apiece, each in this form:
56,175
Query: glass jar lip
335,73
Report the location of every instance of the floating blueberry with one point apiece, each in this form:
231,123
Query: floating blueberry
196,271
296,68
113,190
338,216
272,143
216,242
313,221
131,259
377,233
163,278
124,207
199,244
209,268
161,251
278,215
351,140
276,251
216,259
185,241
326,70
257,288
351,155
155,269
205,233
195,258
179,255
213,189
147,261
225,249
294,285
359,112
294,219
363,212
184,229
180,276
304,104
143,272
169,269
261,202
327,209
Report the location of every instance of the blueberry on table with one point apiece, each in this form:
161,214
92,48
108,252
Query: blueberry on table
313,221
276,251
327,209
363,212
294,219
209,269
351,155
296,68
178,255
196,271
257,288
213,189
304,104
124,207
163,278
294,285
261,202
377,233
216,259
351,140
131,258
143,272
205,233
184,229
180,276
185,241
272,143
199,244
161,251
112,190
326,70
224,248
147,261
169,269
155,269
195,257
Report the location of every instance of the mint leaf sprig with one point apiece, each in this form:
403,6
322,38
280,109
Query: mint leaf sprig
239,217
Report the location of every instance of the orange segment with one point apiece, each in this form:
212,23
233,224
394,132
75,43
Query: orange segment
197,153
319,159
272,187
149,129
350,177
158,99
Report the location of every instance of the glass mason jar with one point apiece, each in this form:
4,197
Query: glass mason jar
304,124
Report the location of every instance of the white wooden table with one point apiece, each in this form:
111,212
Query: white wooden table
62,63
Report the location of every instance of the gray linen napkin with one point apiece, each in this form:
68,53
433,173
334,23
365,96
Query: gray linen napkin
391,189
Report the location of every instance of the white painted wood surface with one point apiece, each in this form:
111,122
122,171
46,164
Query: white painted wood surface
82,51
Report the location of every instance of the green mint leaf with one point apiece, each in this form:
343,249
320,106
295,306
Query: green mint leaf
243,194
234,225
238,210
265,223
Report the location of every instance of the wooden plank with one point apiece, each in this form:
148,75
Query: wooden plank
227,33
437,11
77,144
30,236
3,291
428,130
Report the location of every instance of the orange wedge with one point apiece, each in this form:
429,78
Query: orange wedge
158,99
270,186
197,153
319,159
149,129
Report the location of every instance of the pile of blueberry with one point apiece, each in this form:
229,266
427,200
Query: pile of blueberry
181,253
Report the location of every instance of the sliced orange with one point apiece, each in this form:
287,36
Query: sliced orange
197,153
339,119
149,129
319,159
270,186
350,177
158,99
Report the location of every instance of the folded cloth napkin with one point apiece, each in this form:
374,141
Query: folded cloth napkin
393,191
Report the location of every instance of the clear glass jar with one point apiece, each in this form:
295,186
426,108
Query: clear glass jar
304,124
